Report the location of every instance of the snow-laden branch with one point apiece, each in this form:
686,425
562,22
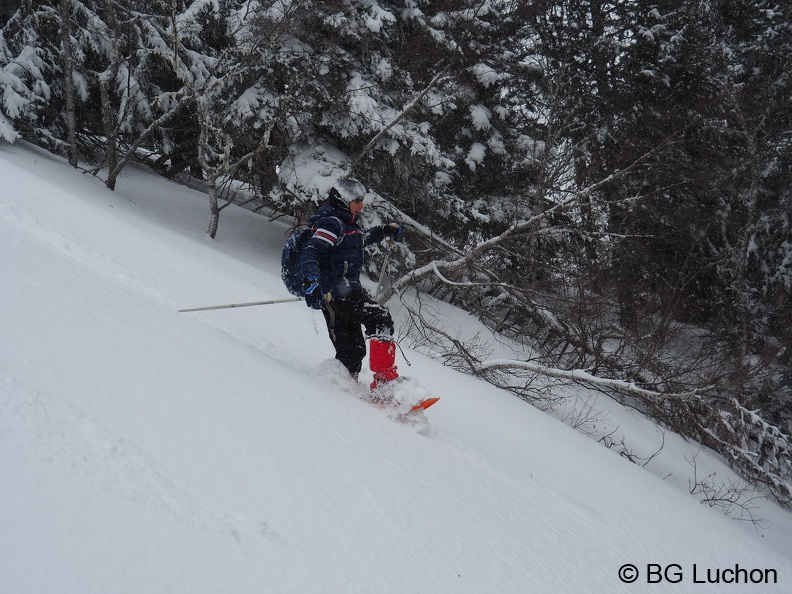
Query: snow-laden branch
178,100
414,225
581,376
468,285
516,229
396,120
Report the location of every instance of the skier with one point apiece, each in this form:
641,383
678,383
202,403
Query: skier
330,264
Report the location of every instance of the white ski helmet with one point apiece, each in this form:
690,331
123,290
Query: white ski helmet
347,190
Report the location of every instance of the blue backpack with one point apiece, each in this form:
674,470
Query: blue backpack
291,272
290,261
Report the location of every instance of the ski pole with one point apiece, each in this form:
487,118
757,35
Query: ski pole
252,303
384,267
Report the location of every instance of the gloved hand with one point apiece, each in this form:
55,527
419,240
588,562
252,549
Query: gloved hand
393,230
313,296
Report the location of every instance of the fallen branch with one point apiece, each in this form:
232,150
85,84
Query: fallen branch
581,376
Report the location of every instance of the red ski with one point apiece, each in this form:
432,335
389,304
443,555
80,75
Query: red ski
424,404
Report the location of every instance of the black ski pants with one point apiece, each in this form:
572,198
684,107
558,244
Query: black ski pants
345,316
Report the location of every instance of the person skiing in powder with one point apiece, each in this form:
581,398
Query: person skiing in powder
331,263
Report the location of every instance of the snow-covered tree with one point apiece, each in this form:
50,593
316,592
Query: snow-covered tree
27,64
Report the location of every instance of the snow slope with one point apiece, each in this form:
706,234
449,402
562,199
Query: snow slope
144,450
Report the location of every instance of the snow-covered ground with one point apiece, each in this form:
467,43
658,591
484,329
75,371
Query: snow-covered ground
148,451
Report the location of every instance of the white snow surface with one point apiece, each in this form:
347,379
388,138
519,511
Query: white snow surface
147,451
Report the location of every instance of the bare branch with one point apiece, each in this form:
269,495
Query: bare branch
581,376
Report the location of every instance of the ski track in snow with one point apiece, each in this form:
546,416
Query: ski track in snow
76,445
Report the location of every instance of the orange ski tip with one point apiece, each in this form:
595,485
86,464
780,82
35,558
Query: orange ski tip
424,404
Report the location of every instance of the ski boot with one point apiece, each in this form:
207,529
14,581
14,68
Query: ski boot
382,359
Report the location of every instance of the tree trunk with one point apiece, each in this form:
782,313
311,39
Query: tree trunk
110,133
214,222
108,119
65,9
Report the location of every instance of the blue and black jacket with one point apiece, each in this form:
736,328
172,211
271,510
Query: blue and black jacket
334,252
